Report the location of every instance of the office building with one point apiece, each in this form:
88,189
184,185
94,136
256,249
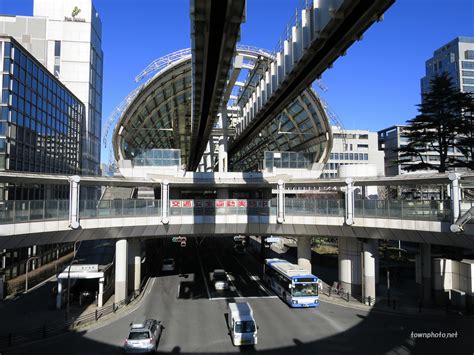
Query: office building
65,36
354,150
457,59
40,122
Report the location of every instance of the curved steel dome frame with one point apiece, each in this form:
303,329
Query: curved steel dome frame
158,115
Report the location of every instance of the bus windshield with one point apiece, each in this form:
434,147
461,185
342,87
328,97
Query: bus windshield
244,326
305,289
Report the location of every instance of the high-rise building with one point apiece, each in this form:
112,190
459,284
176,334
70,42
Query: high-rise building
457,59
40,122
65,36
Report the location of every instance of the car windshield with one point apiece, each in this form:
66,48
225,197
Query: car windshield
168,261
220,277
305,289
244,327
139,335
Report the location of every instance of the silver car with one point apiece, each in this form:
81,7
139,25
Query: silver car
143,337
220,280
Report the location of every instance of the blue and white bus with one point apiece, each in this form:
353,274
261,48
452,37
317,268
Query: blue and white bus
295,285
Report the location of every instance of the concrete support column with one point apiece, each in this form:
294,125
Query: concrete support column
349,265
74,201
100,296
280,202
425,258
165,201
375,247
349,201
121,277
369,272
304,253
134,266
455,196
59,296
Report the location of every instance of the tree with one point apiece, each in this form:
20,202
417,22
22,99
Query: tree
443,126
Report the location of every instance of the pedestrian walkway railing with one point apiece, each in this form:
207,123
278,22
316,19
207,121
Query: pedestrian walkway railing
53,328
58,210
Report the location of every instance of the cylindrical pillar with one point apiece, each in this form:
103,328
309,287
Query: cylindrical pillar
59,296
425,257
100,296
349,265
165,201
349,201
74,201
304,253
369,272
121,256
134,265
281,202
455,195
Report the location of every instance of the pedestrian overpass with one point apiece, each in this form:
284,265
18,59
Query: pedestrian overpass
285,213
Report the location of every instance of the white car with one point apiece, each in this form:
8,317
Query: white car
168,264
220,280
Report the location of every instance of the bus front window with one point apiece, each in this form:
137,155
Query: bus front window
307,289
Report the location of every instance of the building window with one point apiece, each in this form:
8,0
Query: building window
469,54
467,65
467,81
467,73
363,136
362,146
57,48
468,88
366,156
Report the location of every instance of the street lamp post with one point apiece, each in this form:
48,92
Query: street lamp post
26,274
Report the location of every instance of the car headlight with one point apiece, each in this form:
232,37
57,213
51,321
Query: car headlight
294,301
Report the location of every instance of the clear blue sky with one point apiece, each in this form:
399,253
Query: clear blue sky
377,84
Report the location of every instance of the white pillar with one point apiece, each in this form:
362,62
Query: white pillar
165,201
281,202
425,258
349,200
455,195
369,272
304,253
121,256
74,201
349,265
100,296
59,296
134,265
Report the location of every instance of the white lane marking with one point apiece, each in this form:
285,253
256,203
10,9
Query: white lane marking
254,278
202,271
239,298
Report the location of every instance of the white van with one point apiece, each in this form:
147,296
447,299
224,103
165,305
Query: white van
242,326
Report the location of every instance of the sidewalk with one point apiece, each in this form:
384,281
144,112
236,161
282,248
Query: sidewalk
37,308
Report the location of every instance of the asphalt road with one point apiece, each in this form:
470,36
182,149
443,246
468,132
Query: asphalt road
193,314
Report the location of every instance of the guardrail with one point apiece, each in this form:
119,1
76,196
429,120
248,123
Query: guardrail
50,329
55,210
